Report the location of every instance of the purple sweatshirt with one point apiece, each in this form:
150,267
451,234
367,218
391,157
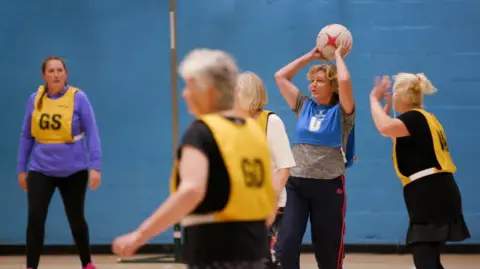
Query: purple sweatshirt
62,160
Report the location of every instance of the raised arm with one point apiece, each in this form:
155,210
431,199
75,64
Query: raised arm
26,139
388,104
344,82
284,76
386,125
89,125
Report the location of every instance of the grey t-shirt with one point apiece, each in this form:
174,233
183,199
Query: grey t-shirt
320,162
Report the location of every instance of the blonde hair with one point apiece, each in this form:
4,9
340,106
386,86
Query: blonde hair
251,93
330,72
412,87
212,68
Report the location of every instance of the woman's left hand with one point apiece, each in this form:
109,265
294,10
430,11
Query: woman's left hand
94,179
381,87
344,48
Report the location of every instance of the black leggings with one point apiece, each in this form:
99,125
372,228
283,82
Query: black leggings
40,191
427,255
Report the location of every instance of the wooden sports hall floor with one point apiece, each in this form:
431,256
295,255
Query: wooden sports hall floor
352,261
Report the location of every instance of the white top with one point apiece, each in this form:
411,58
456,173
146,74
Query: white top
282,156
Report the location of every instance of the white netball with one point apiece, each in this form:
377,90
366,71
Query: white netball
329,39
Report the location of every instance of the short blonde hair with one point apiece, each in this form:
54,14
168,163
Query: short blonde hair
412,87
330,72
251,93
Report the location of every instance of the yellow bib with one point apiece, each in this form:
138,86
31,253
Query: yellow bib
246,155
263,119
52,124
439,144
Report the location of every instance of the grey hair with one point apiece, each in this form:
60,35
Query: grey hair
212,68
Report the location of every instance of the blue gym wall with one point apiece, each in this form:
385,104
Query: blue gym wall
118,53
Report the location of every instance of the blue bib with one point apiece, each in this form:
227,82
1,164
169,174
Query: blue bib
321,125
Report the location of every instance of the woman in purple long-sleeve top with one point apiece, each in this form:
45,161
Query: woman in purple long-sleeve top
58,117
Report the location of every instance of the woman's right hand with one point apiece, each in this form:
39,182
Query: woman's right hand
22,180
316,54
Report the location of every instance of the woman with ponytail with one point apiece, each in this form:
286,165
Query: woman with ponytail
423,163
58,117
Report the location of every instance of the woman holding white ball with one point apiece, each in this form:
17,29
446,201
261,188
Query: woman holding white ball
316,187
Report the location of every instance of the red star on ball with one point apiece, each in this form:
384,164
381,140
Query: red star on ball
332,40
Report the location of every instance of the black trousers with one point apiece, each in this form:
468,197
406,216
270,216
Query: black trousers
426,255
324,202
40,191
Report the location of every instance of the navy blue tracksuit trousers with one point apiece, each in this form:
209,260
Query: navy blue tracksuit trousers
324,201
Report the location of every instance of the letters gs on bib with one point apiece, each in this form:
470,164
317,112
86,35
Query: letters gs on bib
253,172
51,122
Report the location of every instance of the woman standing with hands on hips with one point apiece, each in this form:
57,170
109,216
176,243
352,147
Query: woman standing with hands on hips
58,117
316,187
